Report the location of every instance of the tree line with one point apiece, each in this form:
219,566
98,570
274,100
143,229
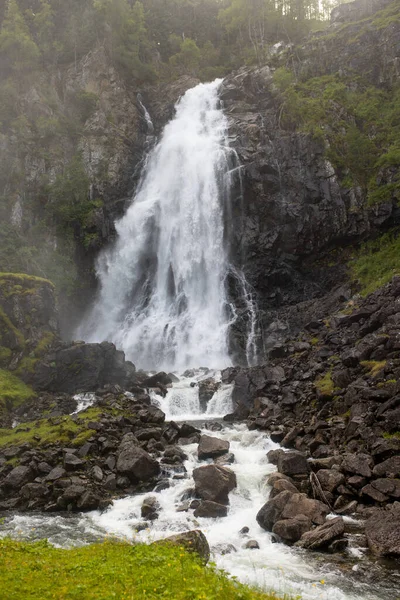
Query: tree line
149,39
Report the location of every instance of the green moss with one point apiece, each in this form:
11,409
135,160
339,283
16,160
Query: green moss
374,367
13,391
325,384
65,429
5,356
376,262
391,436
44,344
23,279
112,571
7,325
314,341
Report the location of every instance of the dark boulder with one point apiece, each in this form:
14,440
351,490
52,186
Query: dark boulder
213,482
134,462
293,463
211,447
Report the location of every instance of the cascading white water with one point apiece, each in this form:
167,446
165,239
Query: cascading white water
163,296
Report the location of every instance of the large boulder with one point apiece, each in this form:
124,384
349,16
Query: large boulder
211,447
323,535
213,482
360,464
81,367
388,468
192,541
293,463
330,479
383,532
287,505
18,477
134,462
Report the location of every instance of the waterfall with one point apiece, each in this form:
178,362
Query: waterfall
163,296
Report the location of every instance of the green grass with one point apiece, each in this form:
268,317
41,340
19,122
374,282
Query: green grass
376,263
374,367
13,391
325,384
23,279
111,571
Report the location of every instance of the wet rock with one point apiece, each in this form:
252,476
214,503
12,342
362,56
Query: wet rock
213,482
193,541
273,455
211,447
281,485
287,505
150,508
244,531
225,459
252,545
322,536
383,532
291,530
224,549
134,462
160,379
207,389
89,501
209,509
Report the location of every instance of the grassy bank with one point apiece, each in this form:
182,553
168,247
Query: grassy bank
112,571
376,262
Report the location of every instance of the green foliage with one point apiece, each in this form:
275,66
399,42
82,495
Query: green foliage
187,60
86,104
113,570
5,356
376,262
374,367
13,391
69,195
16,43
358,123
325,384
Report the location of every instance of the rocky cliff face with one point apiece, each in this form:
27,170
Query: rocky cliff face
292,206
295,206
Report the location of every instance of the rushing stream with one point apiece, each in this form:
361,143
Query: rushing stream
273,566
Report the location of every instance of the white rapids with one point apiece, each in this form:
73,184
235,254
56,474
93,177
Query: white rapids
163,286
